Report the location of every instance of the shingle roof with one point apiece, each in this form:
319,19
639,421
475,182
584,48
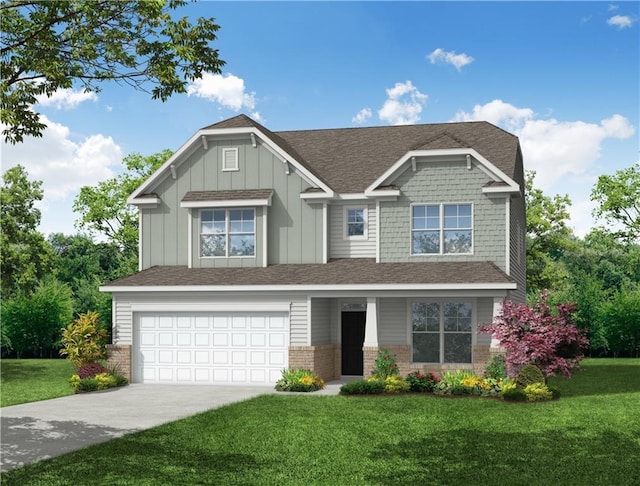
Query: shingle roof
350,159
243,194
349,271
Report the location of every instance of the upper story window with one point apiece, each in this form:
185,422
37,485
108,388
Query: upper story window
230,159
355,223
227,233
438,229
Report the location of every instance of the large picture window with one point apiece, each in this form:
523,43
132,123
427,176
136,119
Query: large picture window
441,332
441,229
227,232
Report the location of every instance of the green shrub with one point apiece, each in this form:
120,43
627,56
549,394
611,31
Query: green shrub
299,380
395,384
385,365
496,368
537,392
363,387
514,394
455,383
528,375
84,340
101,381
555,392
422,382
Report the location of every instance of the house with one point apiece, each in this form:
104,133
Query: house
263,250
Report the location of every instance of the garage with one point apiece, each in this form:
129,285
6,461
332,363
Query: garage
210,348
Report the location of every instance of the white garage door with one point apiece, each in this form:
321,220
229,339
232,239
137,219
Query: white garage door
210,348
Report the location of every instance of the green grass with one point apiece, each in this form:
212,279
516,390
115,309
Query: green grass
590,436
32,380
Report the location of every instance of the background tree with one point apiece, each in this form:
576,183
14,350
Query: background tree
25,256
46,46
548,238
34,322
104,210
618,198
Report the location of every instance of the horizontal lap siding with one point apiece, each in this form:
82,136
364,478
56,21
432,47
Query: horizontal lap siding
339,247
392,326
299,323
485,316
320,321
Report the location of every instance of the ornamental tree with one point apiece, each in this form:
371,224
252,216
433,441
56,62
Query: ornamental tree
538,335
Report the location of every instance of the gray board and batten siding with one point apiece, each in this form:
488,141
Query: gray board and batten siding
295,232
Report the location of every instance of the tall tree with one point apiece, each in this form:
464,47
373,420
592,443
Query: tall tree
25,256
49,45
548,237
104,210
618,196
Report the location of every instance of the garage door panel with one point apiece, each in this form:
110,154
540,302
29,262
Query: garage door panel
212,348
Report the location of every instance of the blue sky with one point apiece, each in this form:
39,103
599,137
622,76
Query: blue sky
562,76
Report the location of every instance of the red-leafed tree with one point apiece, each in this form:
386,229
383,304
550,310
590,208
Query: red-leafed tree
538,335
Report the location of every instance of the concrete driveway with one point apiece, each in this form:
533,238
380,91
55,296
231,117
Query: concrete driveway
40,430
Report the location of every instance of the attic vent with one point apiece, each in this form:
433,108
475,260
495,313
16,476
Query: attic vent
230,159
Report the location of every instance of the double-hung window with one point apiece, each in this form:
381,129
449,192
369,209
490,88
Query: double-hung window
441,229
355,223
441,332
227,232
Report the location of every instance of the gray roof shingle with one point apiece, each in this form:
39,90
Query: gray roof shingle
233,195
348,271
350,159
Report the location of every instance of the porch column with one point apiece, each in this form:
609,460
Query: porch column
371,324
497,308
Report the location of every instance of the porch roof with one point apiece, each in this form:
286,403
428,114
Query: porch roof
337,272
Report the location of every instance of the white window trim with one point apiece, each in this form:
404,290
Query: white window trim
224,157
227,234
345,223
441,229
441,301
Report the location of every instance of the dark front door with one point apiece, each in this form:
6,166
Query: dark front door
352,341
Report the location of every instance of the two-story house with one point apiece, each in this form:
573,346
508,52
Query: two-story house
264,250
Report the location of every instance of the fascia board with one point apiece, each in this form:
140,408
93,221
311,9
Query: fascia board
196,139
306,288
146,202
231,203
387,176
320,196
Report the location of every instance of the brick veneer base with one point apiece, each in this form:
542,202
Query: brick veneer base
481,355
119,355
324,360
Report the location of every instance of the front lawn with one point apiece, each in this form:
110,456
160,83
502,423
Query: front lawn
32,380
590,436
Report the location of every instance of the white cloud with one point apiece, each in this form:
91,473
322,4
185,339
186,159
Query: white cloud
621,21
66,98
554,149
450,57
362,116
564,154
403,105
613,8
228,90
258,117
63,166
499,113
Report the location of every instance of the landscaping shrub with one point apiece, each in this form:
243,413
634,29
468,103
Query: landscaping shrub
452,383
363,387
395,384
496,367
514,394
528,375
89,370
385,365
538,335
422,382
299,380
100,381
84,340
537,392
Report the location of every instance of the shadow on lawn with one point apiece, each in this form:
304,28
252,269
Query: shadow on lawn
466,456
17,371
600,379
